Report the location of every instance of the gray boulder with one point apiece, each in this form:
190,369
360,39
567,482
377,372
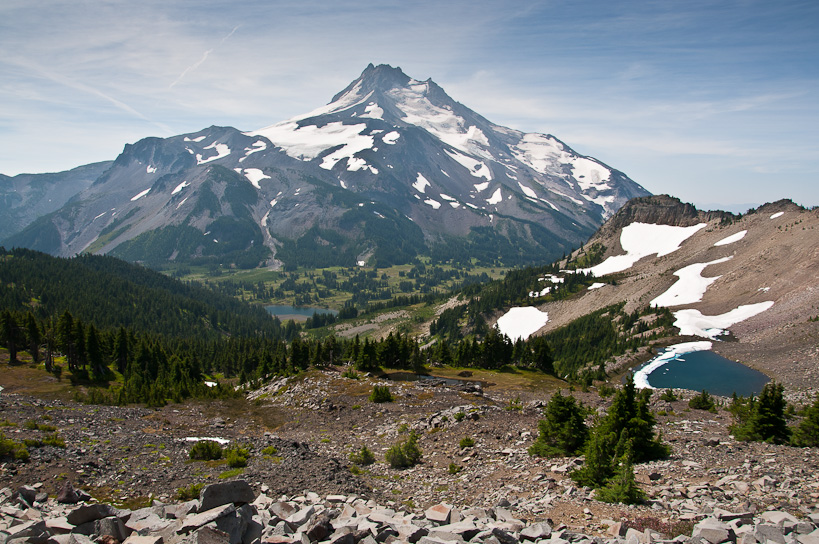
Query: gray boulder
235,492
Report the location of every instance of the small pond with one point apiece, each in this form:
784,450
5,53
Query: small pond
413,377
698,370
297,313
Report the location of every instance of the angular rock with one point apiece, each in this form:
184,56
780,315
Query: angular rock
769,533
301,517
536,531
319,528
209,535
90,512
713,531
27,493
282,509
111,526
140,539
67,494
503,537
198,520
438,513
236,492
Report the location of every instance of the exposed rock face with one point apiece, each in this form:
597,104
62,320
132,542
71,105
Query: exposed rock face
660,210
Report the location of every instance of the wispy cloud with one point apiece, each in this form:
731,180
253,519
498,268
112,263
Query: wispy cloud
202,60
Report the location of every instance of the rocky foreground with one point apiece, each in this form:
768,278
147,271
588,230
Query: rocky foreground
134,457
232,513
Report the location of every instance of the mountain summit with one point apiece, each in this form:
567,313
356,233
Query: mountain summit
391,168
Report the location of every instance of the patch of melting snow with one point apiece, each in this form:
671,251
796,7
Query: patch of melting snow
420,184
640,240
180,187
496,197
140,195
221,441
596,285
222,151
692,322
197,139
777,214
731,239
690,287
522,322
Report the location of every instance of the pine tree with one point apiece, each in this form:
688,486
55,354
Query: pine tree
806,433
563,431
622,487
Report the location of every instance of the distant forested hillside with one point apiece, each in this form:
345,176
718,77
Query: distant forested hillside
111,293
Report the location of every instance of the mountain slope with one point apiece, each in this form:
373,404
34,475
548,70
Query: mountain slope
746,283
391,168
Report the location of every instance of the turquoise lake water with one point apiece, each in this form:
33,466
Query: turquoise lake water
700,370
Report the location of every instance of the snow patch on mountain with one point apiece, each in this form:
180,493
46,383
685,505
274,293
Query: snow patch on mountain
690,287
197,139
731,239
434,203
692,322
150,169
474,166
254,175
222,151
439,121
180,187
480,187
496,197
390,138
521,322
355,164
373,111
140,195
309,141
420,184
777,214
528,191
257,146
640,240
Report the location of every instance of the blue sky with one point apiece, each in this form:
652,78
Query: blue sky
714,102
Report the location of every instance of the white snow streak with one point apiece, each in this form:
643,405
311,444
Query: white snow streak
777,214
434,203
180,187
690,287
390,138
528,191
255,148
692,322
140,195
731,239
150,169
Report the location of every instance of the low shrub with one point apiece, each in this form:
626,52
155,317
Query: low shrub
362,457
404,454
454,469
459,416
467,442
270,450
668,396
381,393
206,450
237,456
703,401
189,493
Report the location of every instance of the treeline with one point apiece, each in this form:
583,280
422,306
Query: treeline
111,293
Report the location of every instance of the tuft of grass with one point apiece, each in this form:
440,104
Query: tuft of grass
467,442
189,493
232,473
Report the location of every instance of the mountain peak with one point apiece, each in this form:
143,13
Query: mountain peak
382,77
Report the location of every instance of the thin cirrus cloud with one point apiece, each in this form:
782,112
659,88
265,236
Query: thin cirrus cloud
721,95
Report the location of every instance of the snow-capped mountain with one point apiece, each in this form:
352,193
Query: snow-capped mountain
392,167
